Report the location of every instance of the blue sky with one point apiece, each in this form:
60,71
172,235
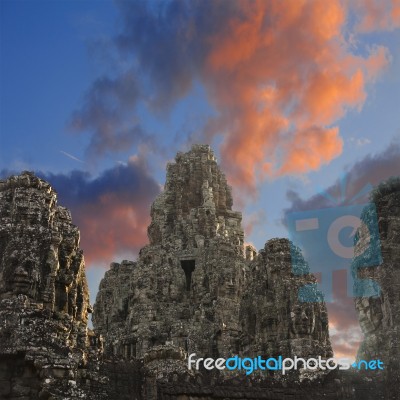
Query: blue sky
115,89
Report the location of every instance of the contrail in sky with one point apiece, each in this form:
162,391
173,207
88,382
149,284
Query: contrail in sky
71,156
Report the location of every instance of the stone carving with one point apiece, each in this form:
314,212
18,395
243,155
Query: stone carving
273,318
40,255
197,289
380,316
45,346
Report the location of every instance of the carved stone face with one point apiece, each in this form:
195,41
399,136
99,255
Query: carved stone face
370,314
302,320
22,277
20,281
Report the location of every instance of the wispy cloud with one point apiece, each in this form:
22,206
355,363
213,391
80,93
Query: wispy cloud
359,142
375,15
372,170
108,114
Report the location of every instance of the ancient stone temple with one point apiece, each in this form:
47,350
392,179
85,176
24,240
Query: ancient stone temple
197,289
184,290
273,319
44,300
380,316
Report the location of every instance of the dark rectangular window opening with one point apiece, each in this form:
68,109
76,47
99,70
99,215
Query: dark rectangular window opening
188,268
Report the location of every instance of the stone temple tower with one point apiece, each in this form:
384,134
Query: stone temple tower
185,289
195,288
379,316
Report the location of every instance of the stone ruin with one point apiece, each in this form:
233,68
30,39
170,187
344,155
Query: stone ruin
195,288
379,317
44,299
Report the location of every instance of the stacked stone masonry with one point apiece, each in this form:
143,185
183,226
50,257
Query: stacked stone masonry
195,288
379,316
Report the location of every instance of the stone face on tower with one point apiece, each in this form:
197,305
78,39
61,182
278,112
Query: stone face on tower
186,286
273,319
196,205
40,254
196,289
45,346
380,316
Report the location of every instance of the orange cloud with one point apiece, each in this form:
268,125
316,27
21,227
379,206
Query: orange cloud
311,148
344,329
109,228
247,151
280,74
328,93
376,15
253,220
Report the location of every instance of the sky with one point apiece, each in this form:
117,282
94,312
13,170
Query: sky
97,96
